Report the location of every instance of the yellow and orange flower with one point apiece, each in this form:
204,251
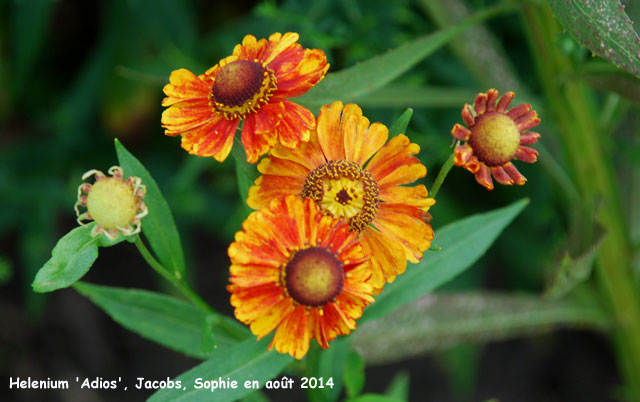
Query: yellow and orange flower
494,137
253,85
350,172
300,271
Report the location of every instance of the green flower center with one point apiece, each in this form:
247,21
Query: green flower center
314,276
112,203
494,138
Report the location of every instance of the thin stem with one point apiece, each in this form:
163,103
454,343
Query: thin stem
178,283
442,174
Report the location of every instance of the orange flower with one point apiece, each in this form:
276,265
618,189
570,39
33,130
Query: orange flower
299,271
494,138
253,85
350,172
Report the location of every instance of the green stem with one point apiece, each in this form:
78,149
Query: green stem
442,174
182,286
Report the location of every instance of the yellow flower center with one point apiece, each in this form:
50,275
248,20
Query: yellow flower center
343,189
314,276
112,203
241,87
494,138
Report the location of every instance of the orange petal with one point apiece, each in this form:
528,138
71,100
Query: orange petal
505,101
254,302
361,141
257,143
462,154
483,176
395,164
501,176
271,318
183,84
268,187
387,257
308,154
461,133
293,334
527,154
296,75
480,104
215,138
473,164
187,115
296,124
405,224
272,166
250,49
415,196
328,129
278,44
517,177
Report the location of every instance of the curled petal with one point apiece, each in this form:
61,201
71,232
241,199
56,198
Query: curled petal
492,98
517,177
518,111
461,154
505,101
529,138
473,164
467,115
460,132
480,104
483,176
501,176
527,154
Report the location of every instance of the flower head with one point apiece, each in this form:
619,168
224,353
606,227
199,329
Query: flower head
253,85
115,204
352,172
297,270
494,137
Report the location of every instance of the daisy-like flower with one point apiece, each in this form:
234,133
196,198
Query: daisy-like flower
351,171
494,137
115,204
253,84
297,270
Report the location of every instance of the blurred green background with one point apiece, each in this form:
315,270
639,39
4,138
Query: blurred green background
76,74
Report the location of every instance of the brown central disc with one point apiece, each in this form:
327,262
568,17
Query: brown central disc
237,82
314,276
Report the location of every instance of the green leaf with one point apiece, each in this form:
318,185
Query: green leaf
441,320
424,97
400,125
399,387
605,77
71,258
573,271
370,75
326,364
462,242
604,28
162,319
247,361
246,173
354,374
375,398
158,226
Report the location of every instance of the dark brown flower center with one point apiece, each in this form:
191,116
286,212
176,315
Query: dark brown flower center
343,189
314,276
494,138
241,87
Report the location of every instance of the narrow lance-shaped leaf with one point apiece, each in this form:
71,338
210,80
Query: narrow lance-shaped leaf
462,242
166,320
367,76
158,226
247,361
400,125
438,321
604,28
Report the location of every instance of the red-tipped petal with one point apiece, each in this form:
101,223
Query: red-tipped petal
492,98
529,138
518,111
517,177
501,176
480,104
531,122
461,154
473,164
467,115
483,176
505,101
460,132
527,154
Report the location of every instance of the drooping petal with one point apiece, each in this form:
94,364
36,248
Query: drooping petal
256,143
387,257
501,176
461,133
215,138
462,154
296,124
527,154
294,79
405,224
517,177
483,176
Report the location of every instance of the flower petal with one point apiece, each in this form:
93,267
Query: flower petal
527,154
483,176
361,141
505,101
215,138
501,176
395,164
529,138
296,75
415,196
517,177
329,131
461,133
480,104
183,84
492,97
187,115
462,154
387,257
467,115
296,124
405,224
257,143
